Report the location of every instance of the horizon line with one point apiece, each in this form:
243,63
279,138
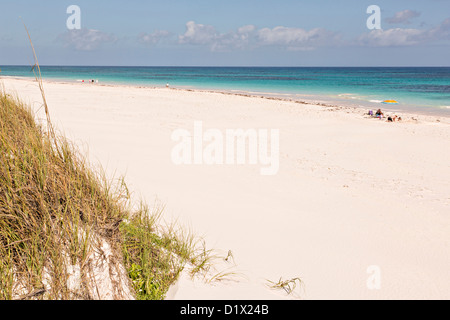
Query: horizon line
212,66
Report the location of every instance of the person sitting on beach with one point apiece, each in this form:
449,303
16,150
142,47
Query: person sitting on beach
379,114
371,113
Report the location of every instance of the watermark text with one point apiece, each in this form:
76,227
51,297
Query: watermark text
74,20
231,147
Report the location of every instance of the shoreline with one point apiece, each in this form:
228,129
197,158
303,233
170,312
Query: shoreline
390,110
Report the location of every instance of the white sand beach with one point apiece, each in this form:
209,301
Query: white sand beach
352,194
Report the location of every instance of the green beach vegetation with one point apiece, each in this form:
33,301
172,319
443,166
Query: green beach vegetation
67,232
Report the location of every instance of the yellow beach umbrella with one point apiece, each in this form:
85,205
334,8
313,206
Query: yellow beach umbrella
390,101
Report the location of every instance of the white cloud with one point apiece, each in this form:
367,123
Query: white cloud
85,39
153,38
198,34
240,39
406,37
249,36
404,17
392,37
246,29
441,32
296,38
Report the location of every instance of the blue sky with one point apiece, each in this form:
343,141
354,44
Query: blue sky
227,33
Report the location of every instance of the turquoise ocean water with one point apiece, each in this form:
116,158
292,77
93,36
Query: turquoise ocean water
417,89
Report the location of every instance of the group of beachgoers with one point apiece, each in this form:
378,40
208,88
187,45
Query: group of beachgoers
380,115
90,81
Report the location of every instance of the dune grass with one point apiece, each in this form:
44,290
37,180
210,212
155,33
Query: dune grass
288,286
56,210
